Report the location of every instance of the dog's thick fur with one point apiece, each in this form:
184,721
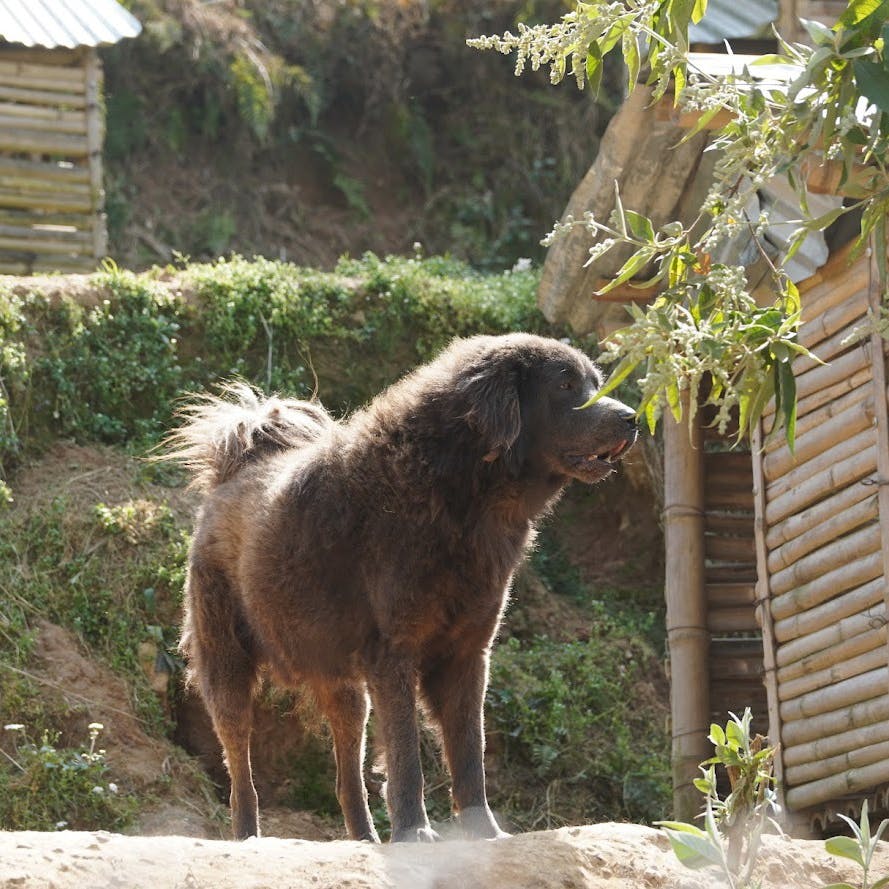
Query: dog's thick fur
375,555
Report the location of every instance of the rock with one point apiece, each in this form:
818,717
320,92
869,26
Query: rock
602,856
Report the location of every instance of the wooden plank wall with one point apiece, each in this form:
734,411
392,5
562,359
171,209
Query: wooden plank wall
736,652
51,199
824,571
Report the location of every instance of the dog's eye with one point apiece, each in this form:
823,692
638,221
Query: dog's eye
566,384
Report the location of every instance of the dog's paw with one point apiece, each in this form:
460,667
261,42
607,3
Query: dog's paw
416,835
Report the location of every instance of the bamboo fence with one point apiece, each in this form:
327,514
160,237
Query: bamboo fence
51,133
822,536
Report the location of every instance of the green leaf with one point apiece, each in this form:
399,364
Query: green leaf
700,8
632,266
640,225
651,416
717,735
616,377
631,56
856,11
844,847
882,883
788,398
873,82
594,67
821,35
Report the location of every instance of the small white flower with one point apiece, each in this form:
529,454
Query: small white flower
98,790
14,727
95,726
61,825
112,787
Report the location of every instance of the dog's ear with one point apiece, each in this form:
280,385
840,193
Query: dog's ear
490,393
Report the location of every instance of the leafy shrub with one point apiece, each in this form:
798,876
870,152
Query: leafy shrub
43,787
569,712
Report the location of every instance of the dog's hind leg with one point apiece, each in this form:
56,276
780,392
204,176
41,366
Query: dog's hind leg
220,660
454,691
346,707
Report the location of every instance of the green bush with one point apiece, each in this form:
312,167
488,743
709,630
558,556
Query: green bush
43,787
110,366
569,713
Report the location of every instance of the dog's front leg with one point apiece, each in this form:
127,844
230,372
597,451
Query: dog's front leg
393,696
454,690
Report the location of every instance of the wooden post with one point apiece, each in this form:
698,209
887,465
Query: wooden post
685,592
95,134
878,357
763,607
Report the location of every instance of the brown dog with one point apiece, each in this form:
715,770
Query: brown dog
375,555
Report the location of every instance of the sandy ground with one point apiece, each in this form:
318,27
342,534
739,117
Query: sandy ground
603,856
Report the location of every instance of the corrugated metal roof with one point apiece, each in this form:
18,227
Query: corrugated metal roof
65,23
727,19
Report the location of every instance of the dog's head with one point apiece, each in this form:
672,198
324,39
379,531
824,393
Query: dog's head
523,396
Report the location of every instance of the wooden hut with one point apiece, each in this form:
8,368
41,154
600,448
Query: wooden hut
777,563
51,132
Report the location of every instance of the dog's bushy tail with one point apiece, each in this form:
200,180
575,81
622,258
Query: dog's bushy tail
220,435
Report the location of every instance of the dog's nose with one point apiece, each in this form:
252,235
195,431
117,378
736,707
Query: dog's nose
628,415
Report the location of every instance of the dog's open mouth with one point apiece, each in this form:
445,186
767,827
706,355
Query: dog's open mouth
601,461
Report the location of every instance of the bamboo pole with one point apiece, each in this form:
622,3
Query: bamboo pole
844,638
834,428
96,137
35,235
43,245
836,448
805,522
737,525
834,555
814,419
852,781
850,305
763,612
826,588
831,745
823,396
21,217
56,98
843,694
837,672
20,139
32,184
822,377
736,669
825,725
837,476
732,620
856,515
38,123
43,170
724,497
729,549
28,112
727,573
878,348
48,201
730,595
73,74
687,634
801,624
841,762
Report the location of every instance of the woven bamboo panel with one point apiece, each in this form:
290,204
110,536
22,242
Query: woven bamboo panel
51,197
824,562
